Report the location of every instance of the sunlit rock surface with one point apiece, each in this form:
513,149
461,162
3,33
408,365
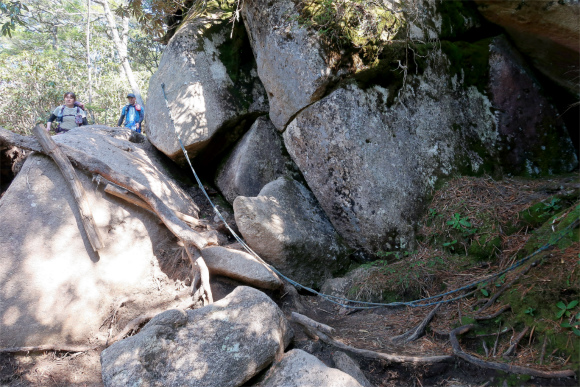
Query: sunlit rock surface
210,82
285,225
53,288
221,345
300,369
291,61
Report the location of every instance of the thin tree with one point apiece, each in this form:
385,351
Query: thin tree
89,58
121,47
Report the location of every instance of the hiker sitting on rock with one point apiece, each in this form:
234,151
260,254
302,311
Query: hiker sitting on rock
68,116
132,114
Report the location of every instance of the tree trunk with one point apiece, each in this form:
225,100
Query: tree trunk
121,50
89,59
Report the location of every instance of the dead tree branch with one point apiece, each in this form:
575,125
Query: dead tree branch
512,348
51,149
192,240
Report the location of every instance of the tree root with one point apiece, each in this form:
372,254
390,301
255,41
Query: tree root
493,315
416,332
512,348
507,286
499,366
192,240
366,353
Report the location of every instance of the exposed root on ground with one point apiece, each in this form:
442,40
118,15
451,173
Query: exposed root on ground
416,332
313,329
500,366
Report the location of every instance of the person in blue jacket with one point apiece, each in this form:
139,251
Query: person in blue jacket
132,114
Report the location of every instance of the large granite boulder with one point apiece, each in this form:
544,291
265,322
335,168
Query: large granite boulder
286,227
300,369
546,31
54,289
256,160
211,85
292,63
221,345
370,154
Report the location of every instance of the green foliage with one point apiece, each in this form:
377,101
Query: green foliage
469,61
361,24
11,15
565,310
530,311
47,57
459,222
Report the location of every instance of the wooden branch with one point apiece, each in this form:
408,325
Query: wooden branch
74,183
96,166
500,366
414,333
377,355
512,348
306,321
133,199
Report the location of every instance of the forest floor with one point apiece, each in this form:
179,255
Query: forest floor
474,228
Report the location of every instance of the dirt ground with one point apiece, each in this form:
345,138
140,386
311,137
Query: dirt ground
373,329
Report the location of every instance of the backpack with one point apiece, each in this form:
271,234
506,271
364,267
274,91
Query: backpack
78,116
126,110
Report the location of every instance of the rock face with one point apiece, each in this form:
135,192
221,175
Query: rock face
240,266
300,369
221,345
255,161
291,61
286,227
54,288
546,31
534,139
370,163
211,84
347,365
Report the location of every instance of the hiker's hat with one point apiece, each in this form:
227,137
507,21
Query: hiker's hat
131,95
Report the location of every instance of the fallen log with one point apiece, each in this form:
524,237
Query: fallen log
500,366
50,148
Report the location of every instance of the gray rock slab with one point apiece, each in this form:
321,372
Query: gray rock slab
349,366
221,345
202,96
370,164
287,228
254,162
300,369
53,288
241,266
291,61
